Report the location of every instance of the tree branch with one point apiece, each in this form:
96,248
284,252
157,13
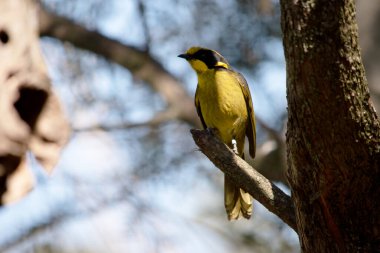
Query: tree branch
246,177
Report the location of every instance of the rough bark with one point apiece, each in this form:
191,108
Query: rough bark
333,136
30,112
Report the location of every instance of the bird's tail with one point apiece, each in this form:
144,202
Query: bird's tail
237,201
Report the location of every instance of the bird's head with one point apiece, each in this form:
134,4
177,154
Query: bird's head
203,59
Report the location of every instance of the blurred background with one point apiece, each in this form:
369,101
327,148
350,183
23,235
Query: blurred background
130,178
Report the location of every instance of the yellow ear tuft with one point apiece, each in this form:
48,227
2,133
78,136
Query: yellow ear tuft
222,64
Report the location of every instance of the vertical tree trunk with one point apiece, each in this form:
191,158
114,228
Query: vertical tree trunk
333,136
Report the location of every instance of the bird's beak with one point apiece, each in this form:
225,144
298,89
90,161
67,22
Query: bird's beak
184,56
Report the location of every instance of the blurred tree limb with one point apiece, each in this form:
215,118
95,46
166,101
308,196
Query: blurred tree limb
268,194
74,207
140,63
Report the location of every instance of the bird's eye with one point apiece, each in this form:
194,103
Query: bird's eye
204,55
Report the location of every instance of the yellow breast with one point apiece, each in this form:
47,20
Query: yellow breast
222,103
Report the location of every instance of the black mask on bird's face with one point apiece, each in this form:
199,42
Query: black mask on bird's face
202,59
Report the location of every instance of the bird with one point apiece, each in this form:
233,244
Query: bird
224,105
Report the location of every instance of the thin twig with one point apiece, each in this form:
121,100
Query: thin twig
145,25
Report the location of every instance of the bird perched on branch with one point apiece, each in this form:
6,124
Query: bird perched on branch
224,104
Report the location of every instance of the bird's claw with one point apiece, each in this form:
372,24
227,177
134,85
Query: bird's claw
234,147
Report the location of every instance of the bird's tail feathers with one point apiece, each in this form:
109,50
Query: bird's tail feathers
238,202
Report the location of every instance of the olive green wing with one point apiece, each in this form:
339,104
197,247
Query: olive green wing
251,126
198,107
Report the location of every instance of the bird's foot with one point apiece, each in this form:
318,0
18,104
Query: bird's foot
234,147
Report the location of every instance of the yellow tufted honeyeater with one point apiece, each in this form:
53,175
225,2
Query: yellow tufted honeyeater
223,102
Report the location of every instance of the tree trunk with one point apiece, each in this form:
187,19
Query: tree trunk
333,136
